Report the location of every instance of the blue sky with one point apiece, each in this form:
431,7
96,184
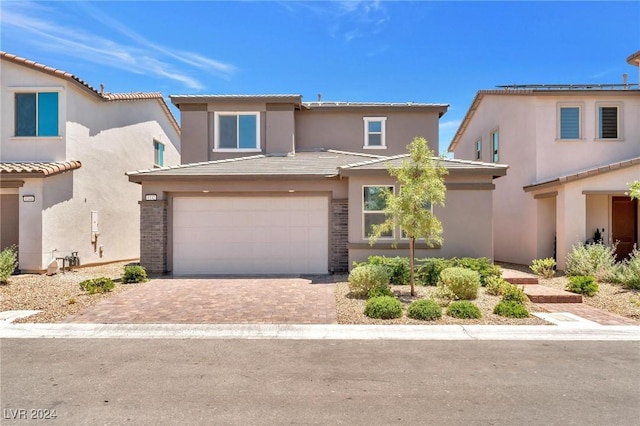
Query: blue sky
377,51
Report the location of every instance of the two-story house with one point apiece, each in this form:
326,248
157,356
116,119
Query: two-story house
65,148
271,184
572,152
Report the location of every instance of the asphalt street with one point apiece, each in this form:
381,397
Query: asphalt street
275,381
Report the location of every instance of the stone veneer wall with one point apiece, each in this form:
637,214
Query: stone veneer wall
153,236
339,255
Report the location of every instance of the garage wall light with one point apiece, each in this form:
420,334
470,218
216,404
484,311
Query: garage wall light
28,198
150,197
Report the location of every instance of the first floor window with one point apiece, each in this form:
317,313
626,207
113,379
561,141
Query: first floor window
608,122
237,131
374,132
373,205
478,149
36,114
569,122
495,157
158,154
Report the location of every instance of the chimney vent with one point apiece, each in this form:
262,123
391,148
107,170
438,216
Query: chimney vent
102,88
319,97
625,80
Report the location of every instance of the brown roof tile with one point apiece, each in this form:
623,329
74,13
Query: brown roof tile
37,169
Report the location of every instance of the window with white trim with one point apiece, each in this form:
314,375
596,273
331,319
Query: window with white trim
237,131
495,147
479,149
158,154
373,205
374,132
569,122
608,121
36,114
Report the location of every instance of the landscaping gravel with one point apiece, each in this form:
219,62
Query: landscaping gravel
610,297
350,309
59,295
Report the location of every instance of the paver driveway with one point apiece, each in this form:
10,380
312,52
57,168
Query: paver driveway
229,300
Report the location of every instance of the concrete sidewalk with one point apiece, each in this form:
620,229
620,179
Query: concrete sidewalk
573,331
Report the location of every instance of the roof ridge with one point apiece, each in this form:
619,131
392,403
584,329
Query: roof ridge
201,163
361,154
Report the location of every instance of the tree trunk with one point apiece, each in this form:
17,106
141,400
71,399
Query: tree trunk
412,241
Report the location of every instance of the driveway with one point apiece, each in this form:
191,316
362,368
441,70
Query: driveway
216,300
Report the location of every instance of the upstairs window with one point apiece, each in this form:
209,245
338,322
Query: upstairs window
570,122
479,149
495,154
36,114
609,122
158,154
373,205
374,132
237,131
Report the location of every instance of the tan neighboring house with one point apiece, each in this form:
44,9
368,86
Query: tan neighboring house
572,152
64,151
271,184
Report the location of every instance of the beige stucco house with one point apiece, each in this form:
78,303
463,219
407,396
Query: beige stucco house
271,184
572,151
65,148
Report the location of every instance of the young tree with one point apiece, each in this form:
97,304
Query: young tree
634,190
421,179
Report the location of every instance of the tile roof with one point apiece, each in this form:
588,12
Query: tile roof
583,174
325,163
37,169
312,163
104,96
453,165
271,98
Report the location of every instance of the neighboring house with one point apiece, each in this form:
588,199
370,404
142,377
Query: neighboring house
64,152
572,152
271,184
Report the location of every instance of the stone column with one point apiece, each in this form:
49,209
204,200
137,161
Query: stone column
339,254
153,236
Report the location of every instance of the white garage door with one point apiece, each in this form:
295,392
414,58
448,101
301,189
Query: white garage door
250,235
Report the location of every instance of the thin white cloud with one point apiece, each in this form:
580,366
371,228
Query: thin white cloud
141,56
450,124
349,19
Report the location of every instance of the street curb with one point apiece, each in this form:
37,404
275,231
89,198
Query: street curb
320,332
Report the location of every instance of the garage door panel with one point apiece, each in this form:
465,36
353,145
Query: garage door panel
250,235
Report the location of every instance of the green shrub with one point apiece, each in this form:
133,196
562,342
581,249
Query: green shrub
582,285
397,267
464,283
383,307
97,285
428,270
511,309
629,272
513,293
594,260
443,295
363,278
463,309
497,286
8,263
481,265
425,310
379,291
134,274
544,267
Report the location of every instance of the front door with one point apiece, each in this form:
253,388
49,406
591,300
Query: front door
624,225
